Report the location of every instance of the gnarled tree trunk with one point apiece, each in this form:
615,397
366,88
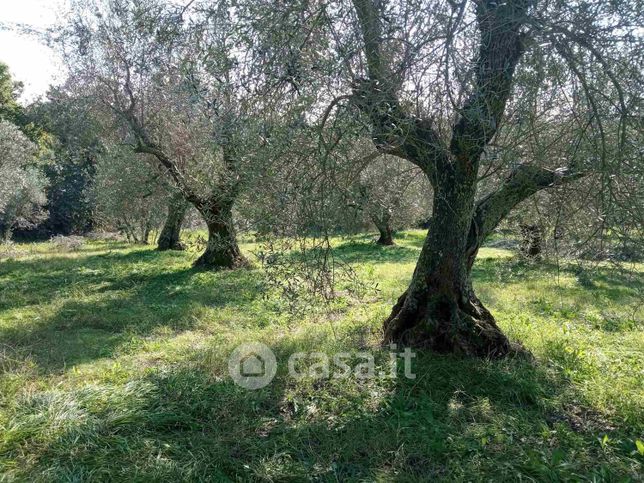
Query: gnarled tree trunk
5,234
170,236
222,250
384,228
439,310
386,236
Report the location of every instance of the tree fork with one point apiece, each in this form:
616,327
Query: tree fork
222,250
439,309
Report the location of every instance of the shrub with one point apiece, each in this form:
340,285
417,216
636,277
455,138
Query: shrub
68,243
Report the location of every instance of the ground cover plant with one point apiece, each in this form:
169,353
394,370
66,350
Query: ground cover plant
113,366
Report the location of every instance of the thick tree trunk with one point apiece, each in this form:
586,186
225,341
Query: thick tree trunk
222,250
384,228
439,310
386,236
170,237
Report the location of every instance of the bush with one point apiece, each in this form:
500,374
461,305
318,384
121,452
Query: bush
68,243
104,236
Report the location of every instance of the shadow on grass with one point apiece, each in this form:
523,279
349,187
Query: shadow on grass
354,252
106,299
459,419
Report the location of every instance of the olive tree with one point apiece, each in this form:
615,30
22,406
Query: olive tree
170,236
127,195
22,185
389,192
193,87
461,89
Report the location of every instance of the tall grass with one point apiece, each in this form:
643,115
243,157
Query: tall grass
113,366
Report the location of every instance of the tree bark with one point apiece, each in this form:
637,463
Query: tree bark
439,310
384,228
386,236
222,250
522,183
170,236
8,220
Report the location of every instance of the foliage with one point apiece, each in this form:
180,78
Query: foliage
128,195
16,152
393,193
299,122
75,144
10,110
22,185
65,137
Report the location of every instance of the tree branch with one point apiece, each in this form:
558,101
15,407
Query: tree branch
369,19
500,49
522,183
144,145
395,131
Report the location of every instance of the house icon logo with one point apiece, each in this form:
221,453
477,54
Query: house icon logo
252,365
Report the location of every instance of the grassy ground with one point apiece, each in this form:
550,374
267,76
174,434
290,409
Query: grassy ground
113,366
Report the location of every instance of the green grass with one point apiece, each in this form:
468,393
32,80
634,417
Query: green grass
113,366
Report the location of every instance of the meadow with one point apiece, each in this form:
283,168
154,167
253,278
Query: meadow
113,367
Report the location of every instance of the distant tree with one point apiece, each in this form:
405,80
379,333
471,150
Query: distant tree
22,185
389,193
127,194
189,88
170,236
75,143
10,109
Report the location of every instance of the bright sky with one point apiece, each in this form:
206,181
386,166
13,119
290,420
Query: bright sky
31,62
